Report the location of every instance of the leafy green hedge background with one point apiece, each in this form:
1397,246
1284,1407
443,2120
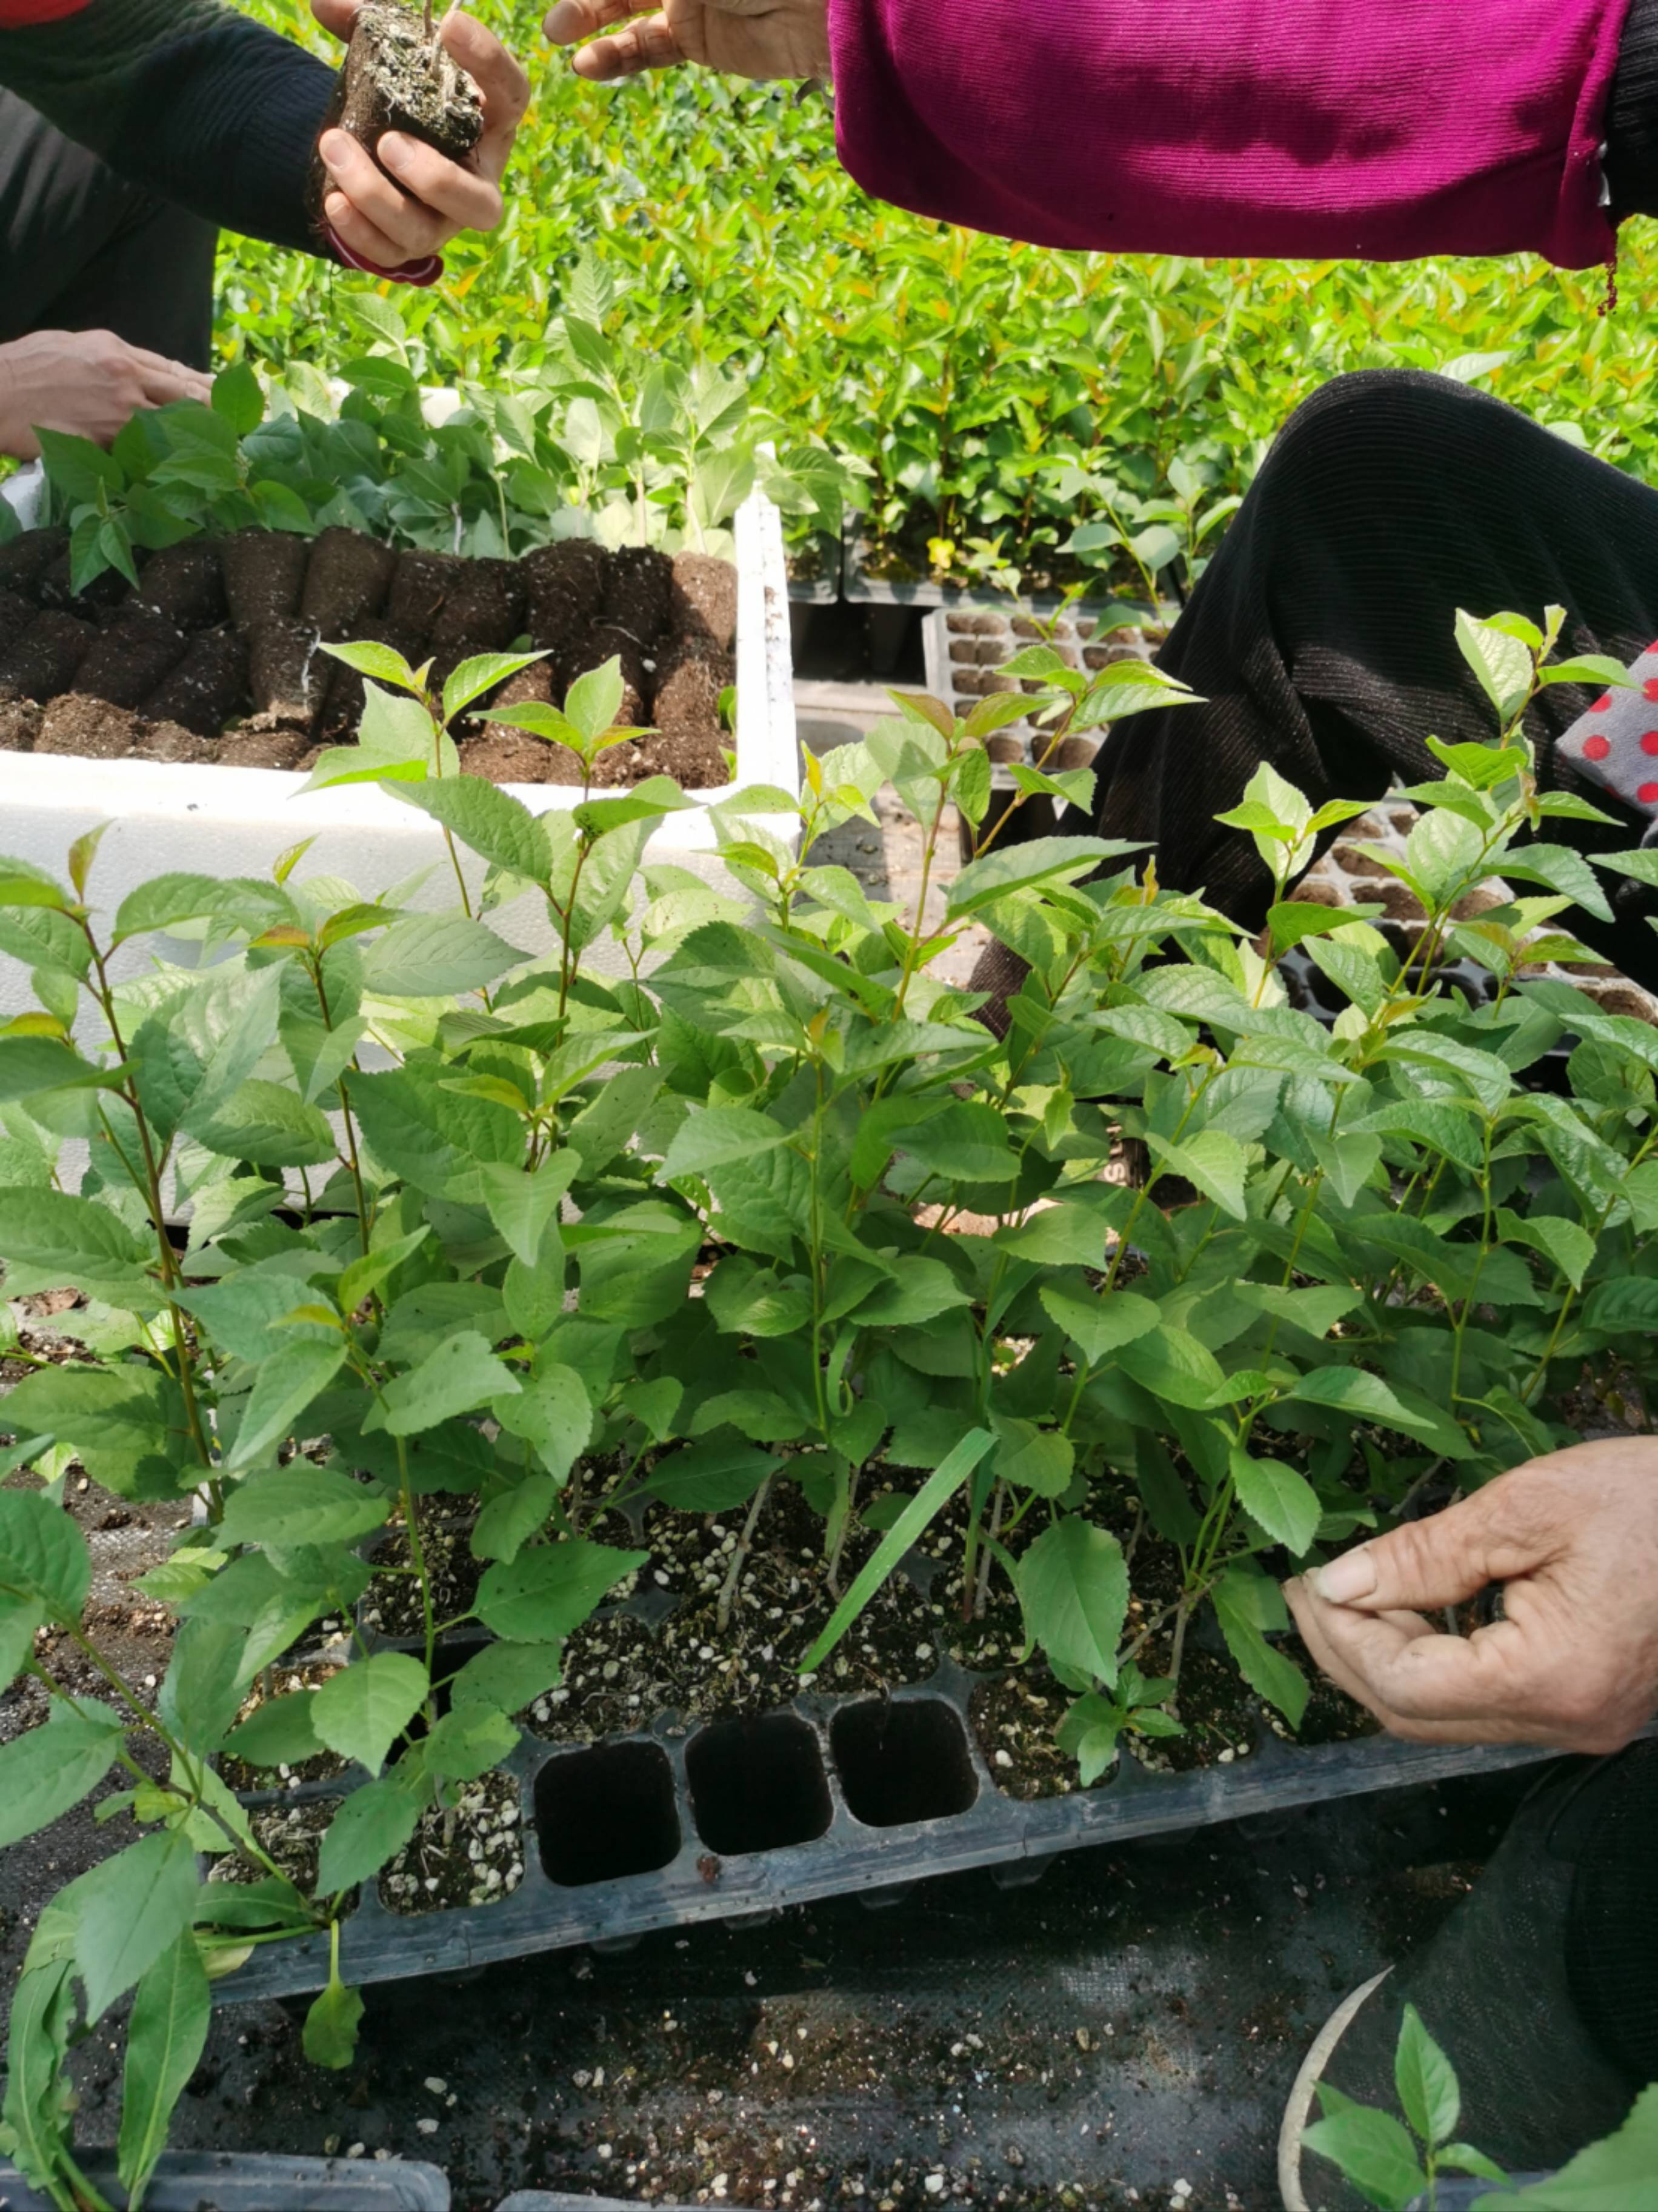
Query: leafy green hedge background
965,372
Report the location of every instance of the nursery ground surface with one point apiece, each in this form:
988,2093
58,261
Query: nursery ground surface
1132,2022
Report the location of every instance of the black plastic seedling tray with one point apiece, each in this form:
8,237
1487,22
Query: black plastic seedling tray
733,1821
863,589
235,2181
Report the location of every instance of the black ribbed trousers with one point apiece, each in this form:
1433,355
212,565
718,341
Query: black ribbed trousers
1321,637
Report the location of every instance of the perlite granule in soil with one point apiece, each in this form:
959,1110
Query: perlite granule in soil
470,1854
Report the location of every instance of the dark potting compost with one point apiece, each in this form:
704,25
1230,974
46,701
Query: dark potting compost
221,643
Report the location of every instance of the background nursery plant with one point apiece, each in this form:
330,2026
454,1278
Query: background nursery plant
474,1289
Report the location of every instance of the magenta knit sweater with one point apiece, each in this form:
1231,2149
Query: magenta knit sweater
1372,129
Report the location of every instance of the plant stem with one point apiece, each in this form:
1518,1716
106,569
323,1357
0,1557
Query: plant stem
739,1557
416,1554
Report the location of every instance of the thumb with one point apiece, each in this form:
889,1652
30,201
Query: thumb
1427,1563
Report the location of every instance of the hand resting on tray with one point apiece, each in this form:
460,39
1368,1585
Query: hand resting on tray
1573,1540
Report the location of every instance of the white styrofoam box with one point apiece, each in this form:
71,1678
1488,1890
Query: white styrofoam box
235,821
25,492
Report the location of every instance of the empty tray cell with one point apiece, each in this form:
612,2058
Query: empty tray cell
606,1812
758,1784
903,1760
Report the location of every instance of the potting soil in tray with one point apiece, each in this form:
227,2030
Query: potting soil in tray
214,656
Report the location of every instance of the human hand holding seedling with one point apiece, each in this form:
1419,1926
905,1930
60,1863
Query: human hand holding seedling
757,39
1573,1538
389,220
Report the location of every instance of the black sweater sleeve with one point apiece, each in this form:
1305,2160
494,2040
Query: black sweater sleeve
189,99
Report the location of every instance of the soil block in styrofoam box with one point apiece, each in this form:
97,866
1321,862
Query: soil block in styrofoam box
211,820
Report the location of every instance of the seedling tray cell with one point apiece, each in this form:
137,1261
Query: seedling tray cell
731,1820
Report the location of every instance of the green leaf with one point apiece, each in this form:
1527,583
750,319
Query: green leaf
508,1676
127,1910
20,1617
363,1711
1089,1734
594,700
330,2035
521,1205
1042,860
1073,1591
917,1290
1212,1160
468,1743
1354,1390
1100,1325
1501,663
39,2101
48,1769
379,661
1373,2150
45,1063
497,826
1428,2093
267,1124
51,1239
460,1375
1057,1236
433,956
507,1524
547,1592
553,1413
1262,1666
202,1687
473,677
1032,1458
43,1555
1284,1503
1563,1242
715,1476
964,1143
126,1421
285,1506
284,1386
373,1824
920,1510
165,2037
278,1732
717,1135
192,1056
247,1312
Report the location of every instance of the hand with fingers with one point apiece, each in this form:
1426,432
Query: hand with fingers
757,39
89,383
385,222
1573,1540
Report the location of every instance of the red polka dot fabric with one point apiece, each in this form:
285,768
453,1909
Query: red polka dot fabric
1616,742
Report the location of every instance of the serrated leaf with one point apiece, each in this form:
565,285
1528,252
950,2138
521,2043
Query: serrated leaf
460,1375
436,956
48,1769
1428,2093
1285,1504
127,1910
373,1824
1100,1325
43,1555
361,1711
284,1386
286,1506
547,1592
1073,1591
167,2034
